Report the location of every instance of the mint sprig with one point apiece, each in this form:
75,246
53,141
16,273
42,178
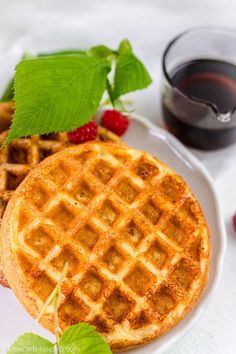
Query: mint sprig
62,91
81,338
130,73
52,92
31,343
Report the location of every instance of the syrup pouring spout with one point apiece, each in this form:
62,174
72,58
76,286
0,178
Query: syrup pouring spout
227,117
224,117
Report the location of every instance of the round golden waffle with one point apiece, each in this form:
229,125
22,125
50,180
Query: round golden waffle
22,155
131,231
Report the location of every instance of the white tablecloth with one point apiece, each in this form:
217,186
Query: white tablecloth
149,25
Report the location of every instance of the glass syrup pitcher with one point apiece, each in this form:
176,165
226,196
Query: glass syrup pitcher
199,87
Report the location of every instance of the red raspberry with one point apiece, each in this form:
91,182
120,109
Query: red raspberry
234,222
115,121
85,133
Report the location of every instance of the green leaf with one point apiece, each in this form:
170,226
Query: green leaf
83,339
57,93
125,47
130,73
61,91
101,51
110,92
31,343
64,52
9,92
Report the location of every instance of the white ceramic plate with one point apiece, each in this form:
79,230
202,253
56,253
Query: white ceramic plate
142,135
146,136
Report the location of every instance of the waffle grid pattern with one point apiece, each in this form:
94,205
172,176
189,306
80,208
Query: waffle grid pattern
19,157
127,226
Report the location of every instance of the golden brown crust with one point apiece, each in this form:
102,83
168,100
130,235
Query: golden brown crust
23,154
143,274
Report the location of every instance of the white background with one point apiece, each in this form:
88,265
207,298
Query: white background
149,25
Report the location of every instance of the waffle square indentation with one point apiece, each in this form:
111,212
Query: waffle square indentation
113,259
117,305
171,189
101,324
108,212
73,310
157,254
126,190
139,320
184,273
87,237
152,212
92,284
62,215
14,180
43,285
17,154
163,300
177,230
103,171
139,279
66,256
84,193
45,152
132,233
40,241
146,170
